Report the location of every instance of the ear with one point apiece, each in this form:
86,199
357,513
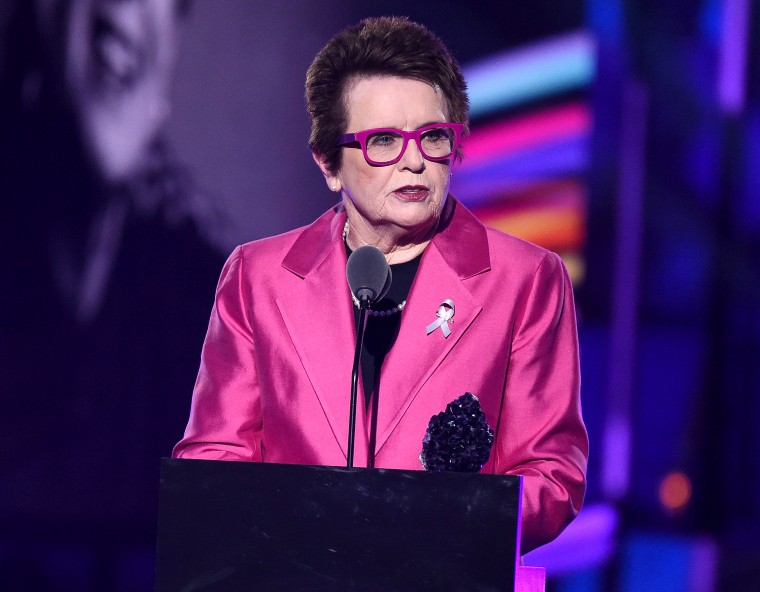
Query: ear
332,180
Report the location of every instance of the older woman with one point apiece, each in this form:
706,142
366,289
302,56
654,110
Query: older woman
388,106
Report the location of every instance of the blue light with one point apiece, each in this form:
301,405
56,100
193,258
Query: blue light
558,65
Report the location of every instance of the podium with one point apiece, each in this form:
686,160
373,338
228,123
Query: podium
237,526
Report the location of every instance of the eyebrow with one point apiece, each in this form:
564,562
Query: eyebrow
416,128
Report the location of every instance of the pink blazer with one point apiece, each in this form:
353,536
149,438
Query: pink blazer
274,381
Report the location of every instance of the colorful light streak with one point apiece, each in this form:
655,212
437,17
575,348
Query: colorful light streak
510,155
570,120
523,175
517,76
483,184
552,215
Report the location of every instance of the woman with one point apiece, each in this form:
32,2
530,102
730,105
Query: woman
388,106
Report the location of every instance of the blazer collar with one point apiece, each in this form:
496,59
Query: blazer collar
317,315
324,336
316,242
461,239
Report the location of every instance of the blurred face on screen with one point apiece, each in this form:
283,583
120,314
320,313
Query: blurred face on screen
116,58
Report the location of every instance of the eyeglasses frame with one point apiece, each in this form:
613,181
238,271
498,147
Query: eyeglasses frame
416,135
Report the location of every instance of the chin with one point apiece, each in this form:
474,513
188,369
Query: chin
419,221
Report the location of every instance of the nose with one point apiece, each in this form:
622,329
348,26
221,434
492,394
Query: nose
412,158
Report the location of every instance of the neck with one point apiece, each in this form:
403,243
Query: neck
398,244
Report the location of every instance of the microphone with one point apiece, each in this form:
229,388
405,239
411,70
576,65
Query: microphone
369,278
368,274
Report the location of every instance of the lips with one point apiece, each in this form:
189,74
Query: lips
412,192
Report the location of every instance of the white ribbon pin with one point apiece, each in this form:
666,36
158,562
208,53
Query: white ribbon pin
445,313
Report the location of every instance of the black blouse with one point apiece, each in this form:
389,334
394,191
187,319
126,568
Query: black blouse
381,332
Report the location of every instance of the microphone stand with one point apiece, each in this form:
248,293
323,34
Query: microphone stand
363,306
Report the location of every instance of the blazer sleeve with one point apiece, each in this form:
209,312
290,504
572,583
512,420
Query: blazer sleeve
225,417
542,436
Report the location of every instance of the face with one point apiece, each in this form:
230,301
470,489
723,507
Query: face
118,57
403,200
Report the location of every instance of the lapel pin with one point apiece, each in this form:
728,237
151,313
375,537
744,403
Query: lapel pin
445,313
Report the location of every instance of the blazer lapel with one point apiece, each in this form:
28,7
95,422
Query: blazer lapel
319,319
458,252
318,316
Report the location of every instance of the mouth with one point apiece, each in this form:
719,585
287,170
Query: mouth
412,192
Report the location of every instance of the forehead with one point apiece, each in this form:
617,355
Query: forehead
392,101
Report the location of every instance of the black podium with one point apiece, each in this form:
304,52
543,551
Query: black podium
234,526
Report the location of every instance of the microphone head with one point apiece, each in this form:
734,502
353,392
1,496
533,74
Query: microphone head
368,273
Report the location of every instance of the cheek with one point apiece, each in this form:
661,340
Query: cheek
371,191
366,184
442,180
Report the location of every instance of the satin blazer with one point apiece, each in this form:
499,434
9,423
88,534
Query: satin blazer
275,376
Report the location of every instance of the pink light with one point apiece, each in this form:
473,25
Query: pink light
562,194
527,131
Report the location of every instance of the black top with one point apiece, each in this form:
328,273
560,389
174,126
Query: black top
381,332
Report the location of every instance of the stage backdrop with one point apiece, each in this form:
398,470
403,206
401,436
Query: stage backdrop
139,142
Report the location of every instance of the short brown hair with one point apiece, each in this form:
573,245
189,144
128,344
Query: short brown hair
384,46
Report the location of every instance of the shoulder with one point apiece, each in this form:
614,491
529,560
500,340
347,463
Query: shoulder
296,248
471,248
268,249
512,252
295,252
